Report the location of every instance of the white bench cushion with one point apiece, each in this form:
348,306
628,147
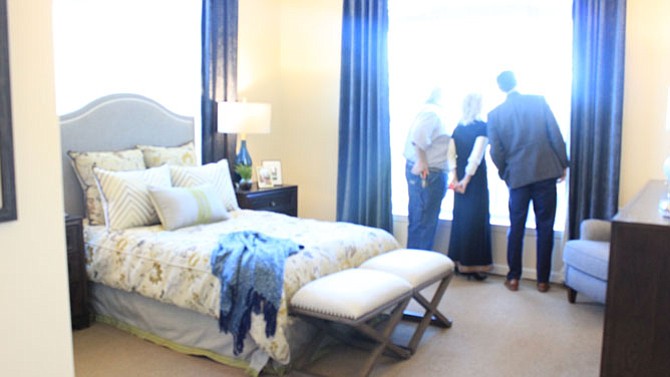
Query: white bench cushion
351,293
418,267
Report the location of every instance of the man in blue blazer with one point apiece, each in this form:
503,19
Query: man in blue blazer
529,151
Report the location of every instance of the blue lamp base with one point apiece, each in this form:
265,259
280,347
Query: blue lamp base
243,157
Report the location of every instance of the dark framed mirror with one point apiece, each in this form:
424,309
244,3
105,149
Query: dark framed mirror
7,187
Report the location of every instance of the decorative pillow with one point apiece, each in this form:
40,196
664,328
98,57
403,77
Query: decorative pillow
178,207
156,156
215,174
83,163
125,195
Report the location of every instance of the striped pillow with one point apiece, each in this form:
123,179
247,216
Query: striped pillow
125,195
216,174
179,207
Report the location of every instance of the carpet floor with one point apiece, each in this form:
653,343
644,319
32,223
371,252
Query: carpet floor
495,333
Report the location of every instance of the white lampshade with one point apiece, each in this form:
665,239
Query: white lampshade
244,117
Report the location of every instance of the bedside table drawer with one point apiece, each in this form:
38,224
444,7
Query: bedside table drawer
282,199
275,201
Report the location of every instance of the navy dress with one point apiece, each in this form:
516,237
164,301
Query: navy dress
470,241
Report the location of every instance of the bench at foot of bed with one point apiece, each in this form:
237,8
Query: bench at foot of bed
356,298
421,269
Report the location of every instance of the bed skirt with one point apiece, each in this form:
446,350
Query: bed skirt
183,330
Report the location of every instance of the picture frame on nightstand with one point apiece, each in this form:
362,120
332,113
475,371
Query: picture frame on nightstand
264,177
274,168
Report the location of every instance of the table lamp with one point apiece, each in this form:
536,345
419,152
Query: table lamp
244,118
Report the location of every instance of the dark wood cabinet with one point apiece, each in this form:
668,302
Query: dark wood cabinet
77,272
282,199
636,338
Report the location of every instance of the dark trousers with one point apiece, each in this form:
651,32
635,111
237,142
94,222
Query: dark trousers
424,207
543,196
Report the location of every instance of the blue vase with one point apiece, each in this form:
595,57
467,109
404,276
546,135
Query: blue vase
243,157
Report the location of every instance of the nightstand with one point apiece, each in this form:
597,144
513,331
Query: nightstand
282,199
77,272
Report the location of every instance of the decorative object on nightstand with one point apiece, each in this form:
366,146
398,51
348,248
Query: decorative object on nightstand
243,118
274,167
77,272
282,199
244,171
264,178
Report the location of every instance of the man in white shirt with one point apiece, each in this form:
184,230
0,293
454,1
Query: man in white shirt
426,172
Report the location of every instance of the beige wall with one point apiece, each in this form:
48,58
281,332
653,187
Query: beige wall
36,338
290,51
646,140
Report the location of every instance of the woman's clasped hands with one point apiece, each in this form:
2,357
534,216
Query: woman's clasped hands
460,186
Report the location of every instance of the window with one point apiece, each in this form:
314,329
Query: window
462,45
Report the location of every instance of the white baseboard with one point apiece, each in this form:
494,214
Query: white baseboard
499,240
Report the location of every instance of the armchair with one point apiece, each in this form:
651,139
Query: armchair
587,261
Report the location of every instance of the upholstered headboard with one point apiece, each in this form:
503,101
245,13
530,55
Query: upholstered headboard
115,122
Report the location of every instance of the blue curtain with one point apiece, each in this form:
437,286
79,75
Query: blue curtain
364,161
597,107
219,74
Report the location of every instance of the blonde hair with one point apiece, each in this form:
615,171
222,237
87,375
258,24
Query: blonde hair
472,106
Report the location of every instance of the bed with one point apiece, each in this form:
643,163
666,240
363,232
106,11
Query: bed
155,281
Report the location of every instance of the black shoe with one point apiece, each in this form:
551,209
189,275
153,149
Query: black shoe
480,276
466,275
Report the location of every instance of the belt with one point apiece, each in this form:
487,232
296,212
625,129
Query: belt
432,170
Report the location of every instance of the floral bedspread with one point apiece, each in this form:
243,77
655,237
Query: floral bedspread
173,266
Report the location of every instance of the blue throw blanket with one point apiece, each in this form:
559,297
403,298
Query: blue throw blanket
250,266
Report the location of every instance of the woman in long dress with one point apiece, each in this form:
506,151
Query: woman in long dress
470,241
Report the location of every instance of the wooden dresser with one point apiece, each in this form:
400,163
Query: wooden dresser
77,272
636,338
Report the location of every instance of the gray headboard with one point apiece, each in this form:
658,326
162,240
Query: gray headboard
115,122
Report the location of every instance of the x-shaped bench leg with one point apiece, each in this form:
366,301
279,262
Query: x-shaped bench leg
432,314
381,337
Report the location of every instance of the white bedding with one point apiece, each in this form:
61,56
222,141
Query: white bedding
174,267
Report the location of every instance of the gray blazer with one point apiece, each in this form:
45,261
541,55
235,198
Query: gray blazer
526,143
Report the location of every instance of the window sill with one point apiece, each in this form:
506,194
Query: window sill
496,222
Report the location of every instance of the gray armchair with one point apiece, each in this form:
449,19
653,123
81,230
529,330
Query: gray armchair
587,261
